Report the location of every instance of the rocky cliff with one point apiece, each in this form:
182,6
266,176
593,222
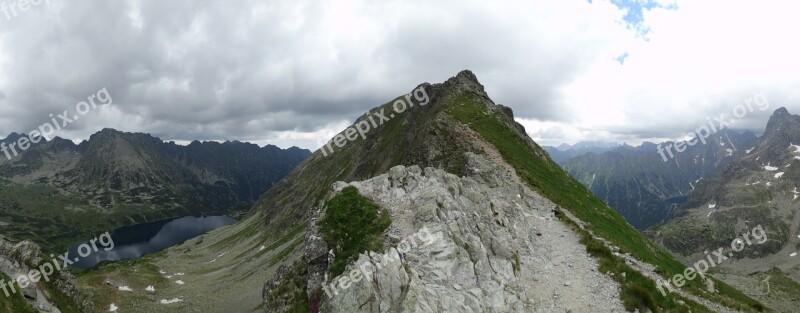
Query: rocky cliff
56,295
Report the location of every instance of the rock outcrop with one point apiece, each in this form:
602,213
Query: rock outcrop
480,243
19,259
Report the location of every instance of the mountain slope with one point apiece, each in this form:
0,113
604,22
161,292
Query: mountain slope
57,191
760,189
645,188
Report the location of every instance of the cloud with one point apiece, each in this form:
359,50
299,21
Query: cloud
700,61
295,72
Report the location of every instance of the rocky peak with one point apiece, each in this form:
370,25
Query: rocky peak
465,81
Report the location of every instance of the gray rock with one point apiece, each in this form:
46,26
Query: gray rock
480,243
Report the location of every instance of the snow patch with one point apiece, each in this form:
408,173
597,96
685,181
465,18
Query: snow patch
171,301
770,168
112,308
713,205
179,282
778,175
150,289
793,255
125,288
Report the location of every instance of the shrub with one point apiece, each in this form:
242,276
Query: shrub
352,224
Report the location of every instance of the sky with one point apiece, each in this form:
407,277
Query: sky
296,72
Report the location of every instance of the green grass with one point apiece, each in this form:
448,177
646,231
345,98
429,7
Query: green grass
55,220
537,170
14,302
285,252
137,273
638,292
352,225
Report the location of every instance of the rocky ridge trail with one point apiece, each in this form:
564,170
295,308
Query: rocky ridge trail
497,247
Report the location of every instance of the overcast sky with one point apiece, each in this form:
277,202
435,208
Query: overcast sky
295,72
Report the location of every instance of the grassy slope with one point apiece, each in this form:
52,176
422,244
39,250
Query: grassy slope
549,179
56,220
15,303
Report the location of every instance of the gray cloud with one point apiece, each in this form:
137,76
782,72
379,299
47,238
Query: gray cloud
291,71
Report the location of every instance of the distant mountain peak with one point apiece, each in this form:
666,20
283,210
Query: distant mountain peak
782,111
778,118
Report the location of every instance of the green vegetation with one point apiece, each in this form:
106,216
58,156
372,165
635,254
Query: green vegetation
535,168
781,284
637,290
292,289
137,273
55,220
285,252
352,225
16,302
60,300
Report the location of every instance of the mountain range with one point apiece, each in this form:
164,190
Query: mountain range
758,189
116,178
565,151
649,189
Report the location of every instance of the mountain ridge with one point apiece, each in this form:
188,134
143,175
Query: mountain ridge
646,189
119,178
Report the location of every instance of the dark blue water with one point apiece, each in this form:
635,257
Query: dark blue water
137,240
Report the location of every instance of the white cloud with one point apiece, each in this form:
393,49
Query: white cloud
700,61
